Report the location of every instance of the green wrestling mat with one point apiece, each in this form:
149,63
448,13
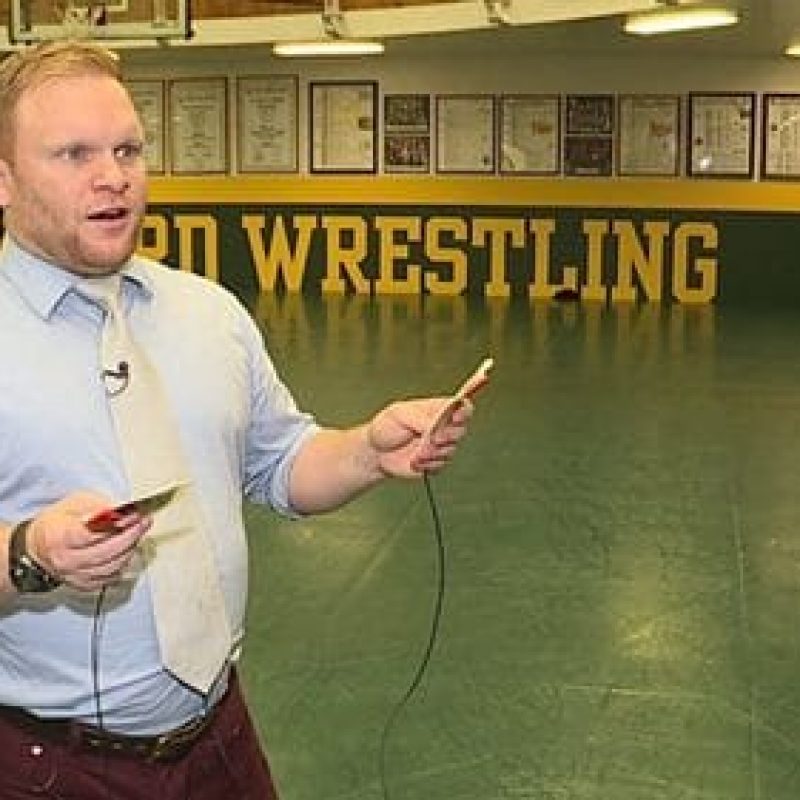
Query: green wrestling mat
622,530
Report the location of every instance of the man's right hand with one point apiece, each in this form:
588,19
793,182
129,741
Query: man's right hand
61,541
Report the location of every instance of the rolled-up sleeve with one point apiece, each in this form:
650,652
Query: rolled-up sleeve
276,431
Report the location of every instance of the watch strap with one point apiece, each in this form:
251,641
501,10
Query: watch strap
25,572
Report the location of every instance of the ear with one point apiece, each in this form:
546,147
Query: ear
6,183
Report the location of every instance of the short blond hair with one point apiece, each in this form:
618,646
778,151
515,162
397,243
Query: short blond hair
26,69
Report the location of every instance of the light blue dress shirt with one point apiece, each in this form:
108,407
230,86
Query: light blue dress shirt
240,429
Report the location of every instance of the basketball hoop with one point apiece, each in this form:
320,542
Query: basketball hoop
80,20
107,20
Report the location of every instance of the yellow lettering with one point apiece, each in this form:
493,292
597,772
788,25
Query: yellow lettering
541,231
206,226
705,267
281,259
343,257
435,229
394,235
154,237
595,231
632,257
497,231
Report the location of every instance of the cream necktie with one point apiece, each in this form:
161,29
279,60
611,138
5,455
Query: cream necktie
194,632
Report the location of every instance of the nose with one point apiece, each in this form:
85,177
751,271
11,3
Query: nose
111,173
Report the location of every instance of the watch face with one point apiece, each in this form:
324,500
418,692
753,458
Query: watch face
17,576
20,578
28,576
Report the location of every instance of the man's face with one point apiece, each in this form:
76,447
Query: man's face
75,191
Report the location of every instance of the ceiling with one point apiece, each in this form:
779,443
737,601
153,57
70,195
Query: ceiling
766,28
419,27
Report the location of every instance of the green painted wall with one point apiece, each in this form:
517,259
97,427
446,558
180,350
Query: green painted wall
612,241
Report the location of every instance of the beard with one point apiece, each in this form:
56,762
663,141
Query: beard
82,248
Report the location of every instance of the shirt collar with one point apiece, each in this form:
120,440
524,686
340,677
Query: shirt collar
43,285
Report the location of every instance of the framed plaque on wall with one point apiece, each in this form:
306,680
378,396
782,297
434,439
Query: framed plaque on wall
149,100
465,133
530,134
721,138
343,126
589,140
649,133
781,136
267,127
407,133
198,117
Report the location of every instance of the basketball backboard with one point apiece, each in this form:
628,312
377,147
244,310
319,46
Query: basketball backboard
44,20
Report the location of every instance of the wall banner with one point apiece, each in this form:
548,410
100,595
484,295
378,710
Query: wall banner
609,255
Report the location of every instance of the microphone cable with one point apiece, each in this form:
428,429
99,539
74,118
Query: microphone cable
97,632
432,636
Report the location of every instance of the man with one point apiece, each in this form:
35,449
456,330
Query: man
89,716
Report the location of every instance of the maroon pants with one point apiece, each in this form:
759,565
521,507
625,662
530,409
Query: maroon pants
225,763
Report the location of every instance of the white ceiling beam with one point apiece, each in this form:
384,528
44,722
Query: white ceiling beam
386,23
460,15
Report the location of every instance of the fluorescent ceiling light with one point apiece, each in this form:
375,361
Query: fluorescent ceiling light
679,18
793,50
329,47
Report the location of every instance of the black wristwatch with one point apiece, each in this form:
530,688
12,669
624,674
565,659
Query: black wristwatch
27,574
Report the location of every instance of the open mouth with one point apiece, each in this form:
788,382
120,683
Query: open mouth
109,215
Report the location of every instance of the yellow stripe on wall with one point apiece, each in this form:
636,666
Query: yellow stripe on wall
727,195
